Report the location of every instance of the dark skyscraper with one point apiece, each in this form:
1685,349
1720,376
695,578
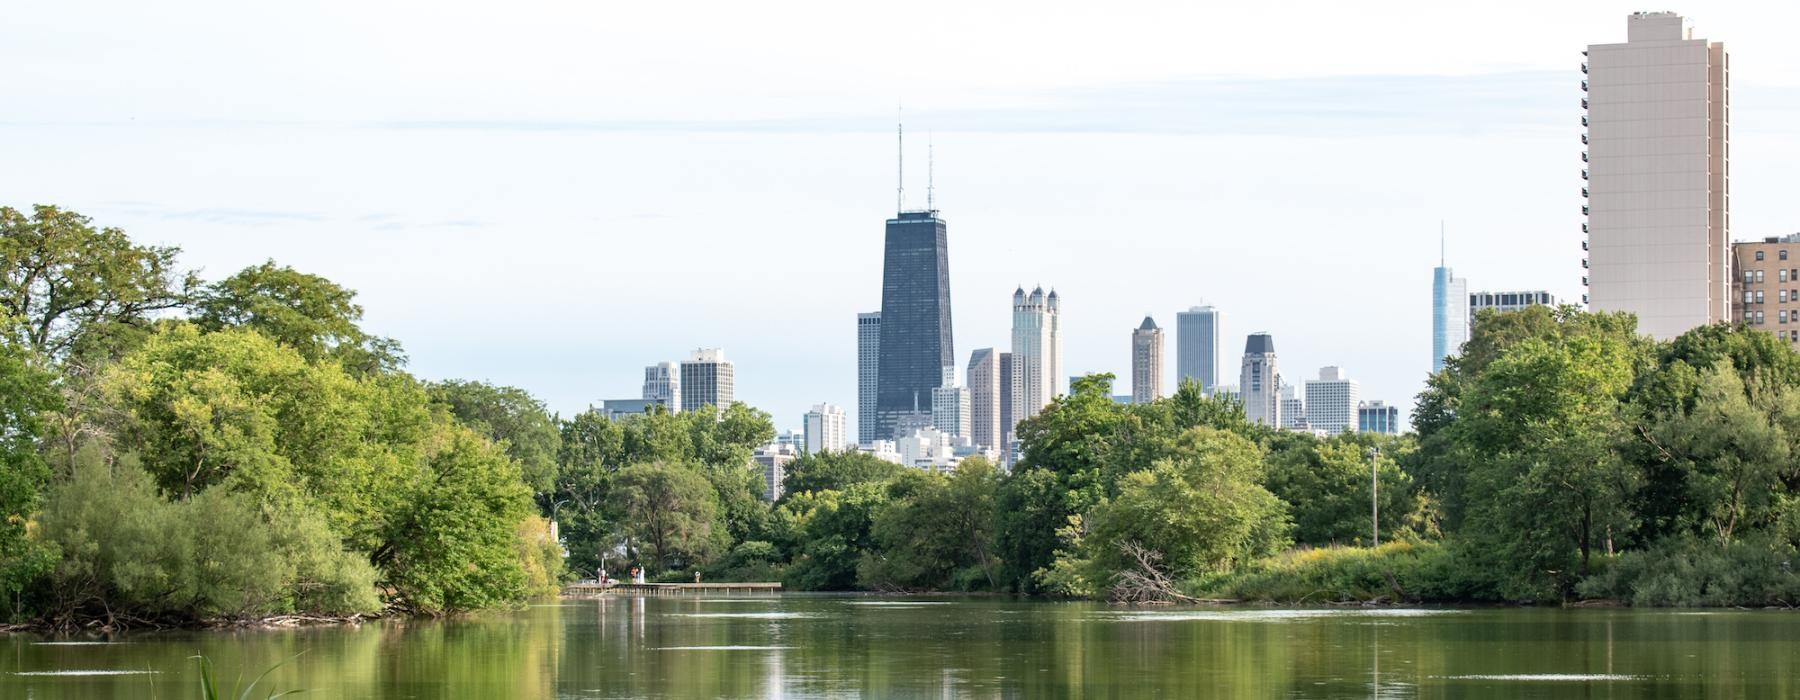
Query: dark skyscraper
916,347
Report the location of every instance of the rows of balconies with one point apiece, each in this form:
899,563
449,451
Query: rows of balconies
1585,211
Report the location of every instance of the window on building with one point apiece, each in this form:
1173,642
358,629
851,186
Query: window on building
1749,277
1781,317
1759,318
1746,317
1759,296
1759,255
1781,296
1748,296
1782,254
1781,276
1759,275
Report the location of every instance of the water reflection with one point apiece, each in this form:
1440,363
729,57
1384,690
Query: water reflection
833,646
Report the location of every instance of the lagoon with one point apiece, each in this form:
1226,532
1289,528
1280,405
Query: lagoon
799,645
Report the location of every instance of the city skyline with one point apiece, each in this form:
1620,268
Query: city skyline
1486,136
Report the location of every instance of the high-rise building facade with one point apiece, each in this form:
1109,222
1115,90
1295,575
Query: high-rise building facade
1197,347
984,398
1146,362
825,429
1509,301
662,383
774,459
1036,352
1331,401
951,412
1259,381
1006,405
868,363
916,342
707,379
1449,315
1293,409
1377,417
1656,169
1766,293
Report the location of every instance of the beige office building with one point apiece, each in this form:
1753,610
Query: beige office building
1657,176
1766,293
1146,362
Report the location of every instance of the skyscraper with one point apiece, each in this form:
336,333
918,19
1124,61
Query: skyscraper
1449,313
825,429
1331,401
868,362
1293,409
1197,346
1508,301
662,383
950,411
1656,166
707,379
1036,353
984,398
1259,382
1146,362
916,343
1004,437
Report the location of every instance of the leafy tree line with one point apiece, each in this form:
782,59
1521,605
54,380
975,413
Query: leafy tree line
174,451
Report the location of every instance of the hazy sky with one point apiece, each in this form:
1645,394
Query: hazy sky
552,195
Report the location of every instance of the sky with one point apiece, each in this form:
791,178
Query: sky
552,195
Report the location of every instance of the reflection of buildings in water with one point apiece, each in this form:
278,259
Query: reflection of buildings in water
637,617
774,674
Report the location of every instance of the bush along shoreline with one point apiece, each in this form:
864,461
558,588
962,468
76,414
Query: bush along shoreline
182,452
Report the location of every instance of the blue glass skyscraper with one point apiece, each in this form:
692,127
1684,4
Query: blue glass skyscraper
916,346
1449,315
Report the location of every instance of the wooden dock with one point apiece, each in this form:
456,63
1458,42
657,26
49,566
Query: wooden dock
590,589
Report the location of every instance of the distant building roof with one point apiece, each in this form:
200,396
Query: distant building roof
1259,344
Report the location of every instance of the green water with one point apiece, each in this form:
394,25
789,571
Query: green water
837,646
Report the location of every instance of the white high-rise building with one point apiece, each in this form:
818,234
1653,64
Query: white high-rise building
1509,301
707,379
1259,381
1293,409
868,368
1036,353
1656,170
662,384
984,397
1146,362
1197,347
825,429
1331,401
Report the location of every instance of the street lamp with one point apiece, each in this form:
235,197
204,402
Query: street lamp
1374,496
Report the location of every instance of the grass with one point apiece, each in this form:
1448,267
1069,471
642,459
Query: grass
1409,572
209,684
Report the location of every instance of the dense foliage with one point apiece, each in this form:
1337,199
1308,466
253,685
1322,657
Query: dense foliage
178,451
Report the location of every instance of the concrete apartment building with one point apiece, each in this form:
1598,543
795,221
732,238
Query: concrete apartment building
1036,353
1656,170
707,379
1766,288
1331,401
825,429
1378,417
1146,362
662,384
1509,301
984,397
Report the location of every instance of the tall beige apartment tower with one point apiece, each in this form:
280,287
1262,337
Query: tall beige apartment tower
1657,171
1146,362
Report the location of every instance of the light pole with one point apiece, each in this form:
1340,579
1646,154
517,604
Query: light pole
1375,496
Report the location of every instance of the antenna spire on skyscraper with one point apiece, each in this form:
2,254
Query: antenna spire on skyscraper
930,169
1441,257
900,135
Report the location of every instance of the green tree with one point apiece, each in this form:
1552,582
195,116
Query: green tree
1202,510
935,532
836,471
1546,486
25,396
512,418
305,312
1326,484
835,528
671,513
61,278
452,542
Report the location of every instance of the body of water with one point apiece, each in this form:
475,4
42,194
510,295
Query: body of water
838,646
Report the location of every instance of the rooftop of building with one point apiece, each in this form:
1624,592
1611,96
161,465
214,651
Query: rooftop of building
1259,344
1147,325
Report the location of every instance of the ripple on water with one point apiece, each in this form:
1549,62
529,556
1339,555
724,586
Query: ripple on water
756,616
1564,677
73,644
1272,615
83,672
720,648
898,603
